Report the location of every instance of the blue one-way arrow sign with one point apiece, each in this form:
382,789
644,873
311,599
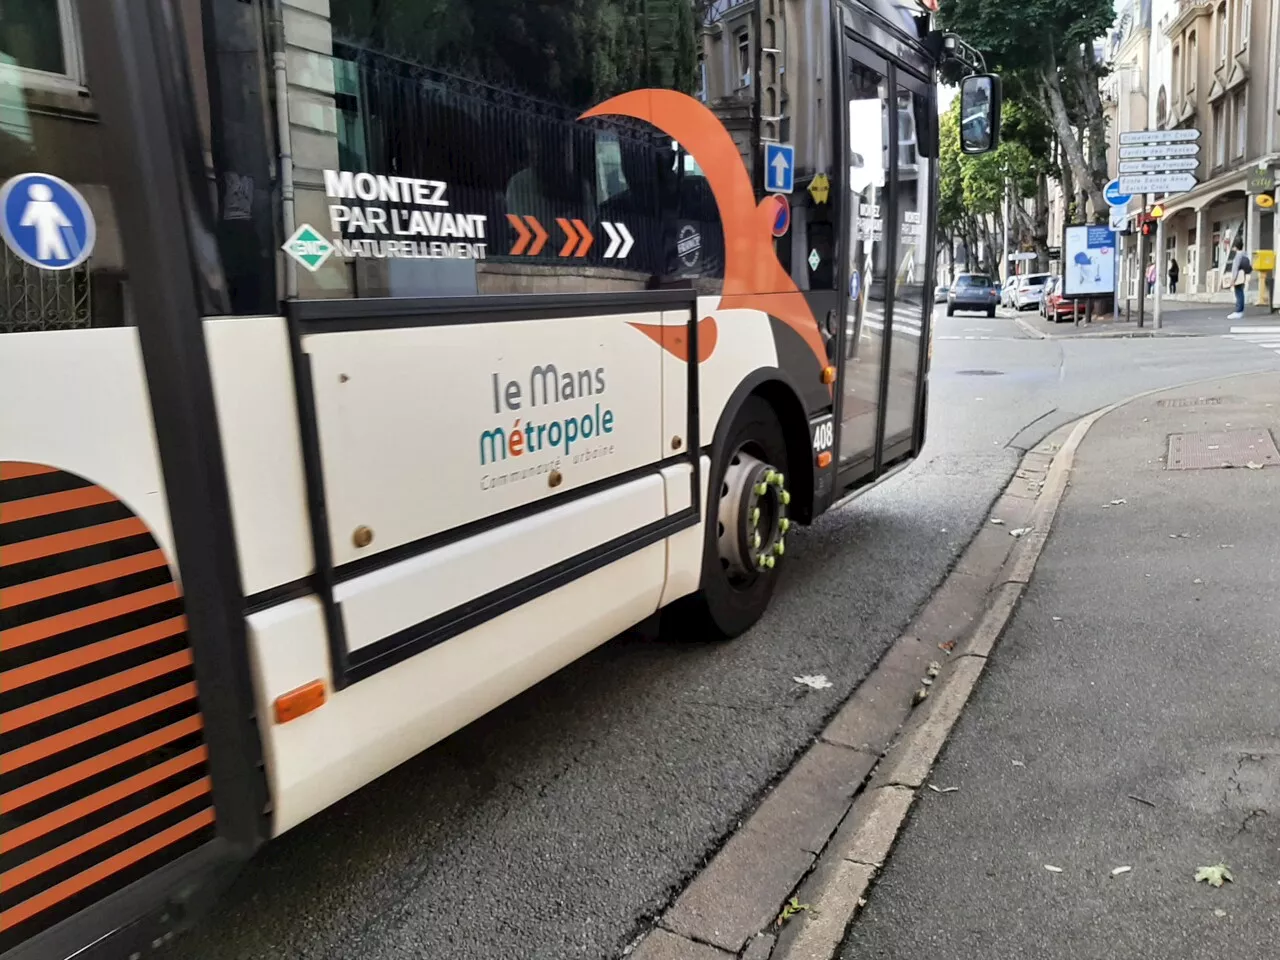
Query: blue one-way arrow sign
779,167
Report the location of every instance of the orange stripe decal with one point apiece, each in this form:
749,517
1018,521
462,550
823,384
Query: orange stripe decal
12,839
15,470
96,613
100,871
753,277
21,796
79,696
71,540
91,653
95,728
75,579
15,510
108,831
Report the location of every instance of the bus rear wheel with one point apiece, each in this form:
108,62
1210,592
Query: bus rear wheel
747,511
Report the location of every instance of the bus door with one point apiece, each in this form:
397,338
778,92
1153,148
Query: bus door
912,179
867,155
129,763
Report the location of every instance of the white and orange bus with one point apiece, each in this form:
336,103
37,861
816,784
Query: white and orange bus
360,367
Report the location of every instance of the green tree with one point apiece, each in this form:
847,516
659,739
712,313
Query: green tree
1044,49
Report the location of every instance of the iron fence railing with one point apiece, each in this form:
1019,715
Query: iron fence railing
34,299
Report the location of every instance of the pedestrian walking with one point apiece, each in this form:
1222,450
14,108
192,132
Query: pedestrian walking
1238,270
1173,275
1151,278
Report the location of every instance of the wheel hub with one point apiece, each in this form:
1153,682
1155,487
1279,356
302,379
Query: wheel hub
753,516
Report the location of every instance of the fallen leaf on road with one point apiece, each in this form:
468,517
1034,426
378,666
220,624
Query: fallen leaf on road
997,521
1120,870
1052,869
935,668
790,909
1214,876
920,696
1019,532
942,789
1018,763
817,681
1219,912
927,681
1253,466
947,645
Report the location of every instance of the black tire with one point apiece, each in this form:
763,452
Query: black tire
722,609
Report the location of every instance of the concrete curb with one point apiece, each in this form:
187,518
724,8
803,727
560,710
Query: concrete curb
1038,334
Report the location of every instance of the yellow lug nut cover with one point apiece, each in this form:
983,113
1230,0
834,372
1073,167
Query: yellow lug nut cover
783,525
780,548
760,489
785,497
755,542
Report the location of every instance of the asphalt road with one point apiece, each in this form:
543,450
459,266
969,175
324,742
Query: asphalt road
556,826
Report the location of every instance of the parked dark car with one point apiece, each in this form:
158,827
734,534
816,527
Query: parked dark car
974,292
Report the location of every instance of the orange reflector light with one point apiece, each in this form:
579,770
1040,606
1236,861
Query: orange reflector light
824,459
295,703
828,374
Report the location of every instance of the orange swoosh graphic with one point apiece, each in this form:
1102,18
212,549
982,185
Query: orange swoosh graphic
751,267
674,339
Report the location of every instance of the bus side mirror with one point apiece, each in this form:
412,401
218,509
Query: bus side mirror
980,99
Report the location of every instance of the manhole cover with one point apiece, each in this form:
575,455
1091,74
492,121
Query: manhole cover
1190,402
1232,448
980,373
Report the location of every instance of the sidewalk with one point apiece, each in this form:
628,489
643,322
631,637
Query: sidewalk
1130,717
1178,319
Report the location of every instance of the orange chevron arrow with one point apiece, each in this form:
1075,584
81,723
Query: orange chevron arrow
539,236
586,239
522,234
571,236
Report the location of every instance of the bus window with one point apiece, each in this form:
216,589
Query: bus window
529,197
63,264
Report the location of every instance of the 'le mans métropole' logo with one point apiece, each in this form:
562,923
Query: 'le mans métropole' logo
545,434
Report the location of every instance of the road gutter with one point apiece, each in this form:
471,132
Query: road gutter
790,880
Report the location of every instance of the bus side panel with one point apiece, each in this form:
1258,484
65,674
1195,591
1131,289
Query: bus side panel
258,423
743,343
371,726
77,400
425,429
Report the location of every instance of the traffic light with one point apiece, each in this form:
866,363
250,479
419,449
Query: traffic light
1148,228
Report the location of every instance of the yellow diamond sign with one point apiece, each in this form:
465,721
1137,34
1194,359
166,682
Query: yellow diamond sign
820,188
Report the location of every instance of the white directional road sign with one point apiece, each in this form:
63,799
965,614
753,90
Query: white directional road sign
1159,136
1160,150
1166,165
1156,182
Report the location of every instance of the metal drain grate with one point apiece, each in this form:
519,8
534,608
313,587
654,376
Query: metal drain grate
1231,448
1190,402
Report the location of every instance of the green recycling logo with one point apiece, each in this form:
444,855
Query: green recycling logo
308,247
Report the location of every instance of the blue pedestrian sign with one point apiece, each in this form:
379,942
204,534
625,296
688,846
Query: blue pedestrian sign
46,221
779,167
1113,195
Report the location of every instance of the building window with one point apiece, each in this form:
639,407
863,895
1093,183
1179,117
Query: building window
1177,72
42,39
1219,135
1222,33
1244,13
744,59
1216,244
1162,108
1242,123
1192,65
